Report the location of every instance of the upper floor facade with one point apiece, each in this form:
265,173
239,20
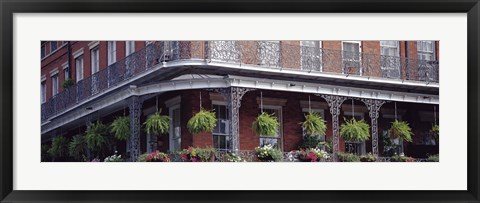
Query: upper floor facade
89,68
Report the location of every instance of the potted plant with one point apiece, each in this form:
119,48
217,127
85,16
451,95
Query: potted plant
348,157
400,129
96,137
193,154
157,124
401,158
311,155
266,125
368,158
68,83
355,131
114,158
203,121
314,124
268,153
59,148
77,147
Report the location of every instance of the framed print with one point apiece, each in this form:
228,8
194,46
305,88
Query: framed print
239,101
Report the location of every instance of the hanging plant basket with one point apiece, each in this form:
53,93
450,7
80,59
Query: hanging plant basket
266,125
157,124
435,131
400,129
96,136
314,124
203,121
355,131
120,127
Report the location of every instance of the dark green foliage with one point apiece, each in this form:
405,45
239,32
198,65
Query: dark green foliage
435,131
120,127
77,147
368,158
314,124
45,156
59,147
266,125
203,121
157,124
402,130
355,131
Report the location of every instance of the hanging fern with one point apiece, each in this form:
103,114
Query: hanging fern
77,147
157,124
120,127
266,125
435,131
96,136
402,130
355,131
314,124
59,147
203,121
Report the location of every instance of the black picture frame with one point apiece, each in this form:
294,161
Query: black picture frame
10,7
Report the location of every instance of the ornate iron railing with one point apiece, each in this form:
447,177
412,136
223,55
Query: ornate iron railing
266,54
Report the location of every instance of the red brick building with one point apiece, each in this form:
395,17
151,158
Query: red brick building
377,81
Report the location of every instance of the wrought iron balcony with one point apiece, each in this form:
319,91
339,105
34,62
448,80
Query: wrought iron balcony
265,54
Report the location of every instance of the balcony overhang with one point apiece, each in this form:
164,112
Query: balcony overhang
175,84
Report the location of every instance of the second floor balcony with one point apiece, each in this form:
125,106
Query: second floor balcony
261,54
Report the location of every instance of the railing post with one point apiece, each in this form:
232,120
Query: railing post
135,109
373,107
335,102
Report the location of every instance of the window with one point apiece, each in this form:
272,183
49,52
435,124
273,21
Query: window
79,67
43,51
175,129
275,141
391,146
95,60
112,52
426,50
55,84
311,55
321,112
129,47
221,138
357,148
66,73
43,90
53,46
390,60
351,57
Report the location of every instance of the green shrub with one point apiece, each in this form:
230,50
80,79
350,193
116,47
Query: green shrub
401,158
402,130
310,142
120,127
266,125
193,154
355,131
368,158
157,124
203,121
143,157
433,158
314,124
77,147
348,157
59,148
